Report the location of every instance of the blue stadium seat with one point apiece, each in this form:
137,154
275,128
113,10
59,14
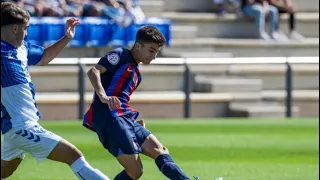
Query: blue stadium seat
119,36
93,31
35,32
80,38
98,31
162,24
53,29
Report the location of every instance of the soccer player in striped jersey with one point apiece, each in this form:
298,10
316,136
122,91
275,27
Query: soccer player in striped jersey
19,114
114,79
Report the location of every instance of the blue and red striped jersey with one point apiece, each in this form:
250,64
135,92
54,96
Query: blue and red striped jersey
121,79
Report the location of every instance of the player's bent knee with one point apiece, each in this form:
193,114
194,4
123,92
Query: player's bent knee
163,150
73,153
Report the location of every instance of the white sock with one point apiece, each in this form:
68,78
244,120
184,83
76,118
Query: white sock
3,178
84,171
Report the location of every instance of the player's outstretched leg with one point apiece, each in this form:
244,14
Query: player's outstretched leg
67,153
154,149
8,167
11,156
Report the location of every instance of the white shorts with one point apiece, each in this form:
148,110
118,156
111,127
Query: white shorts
32,139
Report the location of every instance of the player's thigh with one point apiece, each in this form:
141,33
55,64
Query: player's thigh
8,167
152,147
132,164
140,132
36,140
42,144
65,152
9,150
121,138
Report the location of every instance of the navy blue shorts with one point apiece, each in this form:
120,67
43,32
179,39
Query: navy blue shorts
120,135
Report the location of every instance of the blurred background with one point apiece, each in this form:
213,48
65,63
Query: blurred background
236,68
216,33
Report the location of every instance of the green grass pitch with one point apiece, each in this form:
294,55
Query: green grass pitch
235,149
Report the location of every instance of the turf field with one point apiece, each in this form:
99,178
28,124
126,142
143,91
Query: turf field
235,149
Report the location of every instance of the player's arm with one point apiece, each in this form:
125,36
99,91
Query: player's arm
95,79
94,75
52,51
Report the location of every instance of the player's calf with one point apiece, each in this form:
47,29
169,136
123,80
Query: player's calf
133,167
66,152
154,149
129,175
168,167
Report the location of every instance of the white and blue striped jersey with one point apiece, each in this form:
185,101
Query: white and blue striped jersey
18,105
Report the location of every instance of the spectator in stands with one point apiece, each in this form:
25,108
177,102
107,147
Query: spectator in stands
54,8
91,8
286,6
136,11
220,5
104,8
259,9
34,7
123,17
234,4
73,7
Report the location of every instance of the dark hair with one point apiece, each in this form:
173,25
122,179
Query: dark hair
150,34
13,14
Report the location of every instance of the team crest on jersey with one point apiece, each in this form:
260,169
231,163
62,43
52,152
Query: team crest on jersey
113,58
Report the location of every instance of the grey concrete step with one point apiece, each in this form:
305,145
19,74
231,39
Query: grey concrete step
152,8
207,5
306,5
227,85
306,100
198,54
305,77
260,110
180,32
230,26
239,47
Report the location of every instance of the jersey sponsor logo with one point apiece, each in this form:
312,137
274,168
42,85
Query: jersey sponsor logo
113,58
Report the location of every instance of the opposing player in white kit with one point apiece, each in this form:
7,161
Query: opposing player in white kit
19,113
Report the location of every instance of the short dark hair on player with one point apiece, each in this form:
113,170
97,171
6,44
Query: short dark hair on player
150,34
13,14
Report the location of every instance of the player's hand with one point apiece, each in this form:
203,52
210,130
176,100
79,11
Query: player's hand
112,101
142,123
70,27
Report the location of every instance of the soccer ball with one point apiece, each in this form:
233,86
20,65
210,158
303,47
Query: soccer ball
219,178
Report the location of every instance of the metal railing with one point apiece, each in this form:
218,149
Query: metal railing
186,62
